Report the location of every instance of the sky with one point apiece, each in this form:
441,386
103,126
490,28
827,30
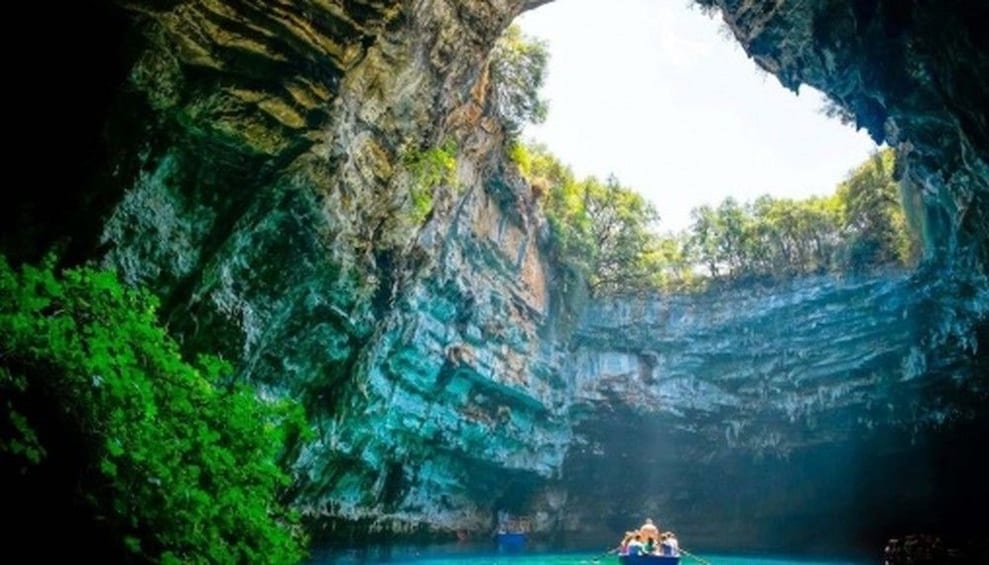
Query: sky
655,92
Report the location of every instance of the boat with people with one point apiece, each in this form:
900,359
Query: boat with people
649,546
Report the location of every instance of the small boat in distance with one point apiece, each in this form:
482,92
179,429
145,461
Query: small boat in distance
512,532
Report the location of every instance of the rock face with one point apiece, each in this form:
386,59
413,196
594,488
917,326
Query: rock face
251,164
912,74
763,416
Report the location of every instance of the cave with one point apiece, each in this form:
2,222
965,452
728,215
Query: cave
248,166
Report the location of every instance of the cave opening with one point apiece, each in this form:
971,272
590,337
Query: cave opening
331,197
628,95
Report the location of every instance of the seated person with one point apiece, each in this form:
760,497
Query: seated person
674,544
623,546
670,545
649,530
664,545
635,546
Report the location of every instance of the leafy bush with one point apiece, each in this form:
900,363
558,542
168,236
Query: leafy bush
174,464
429,169
877,229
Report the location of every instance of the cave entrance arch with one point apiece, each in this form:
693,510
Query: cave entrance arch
877,480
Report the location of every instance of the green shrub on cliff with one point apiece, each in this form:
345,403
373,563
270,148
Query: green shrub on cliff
429,169
877,229
769,237
106,430
602,233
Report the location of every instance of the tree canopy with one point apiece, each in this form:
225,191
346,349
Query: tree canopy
518,70
602,233
859,227
606,235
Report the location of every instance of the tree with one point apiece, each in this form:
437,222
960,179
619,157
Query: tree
518,70
732,223
875,223
622,234
861,226
670,264
705,237
602,234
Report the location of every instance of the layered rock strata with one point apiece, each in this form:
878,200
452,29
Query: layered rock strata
253,170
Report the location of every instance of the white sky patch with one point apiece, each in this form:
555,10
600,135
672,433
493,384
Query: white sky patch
653,91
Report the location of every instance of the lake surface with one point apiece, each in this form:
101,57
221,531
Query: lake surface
474,556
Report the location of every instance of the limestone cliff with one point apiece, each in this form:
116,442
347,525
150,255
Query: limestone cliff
777,410
250,163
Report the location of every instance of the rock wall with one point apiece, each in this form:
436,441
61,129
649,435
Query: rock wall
271,209
249,161
810,416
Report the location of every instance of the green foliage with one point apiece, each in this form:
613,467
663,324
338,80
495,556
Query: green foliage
540,167
518,70
877,228
861,226
429,169
602,232
177,463
621,235
522,156
603,236
777,237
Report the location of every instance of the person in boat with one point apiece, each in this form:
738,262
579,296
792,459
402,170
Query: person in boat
651,546
649,530
503,518
669,545
623,546
635,547
674,544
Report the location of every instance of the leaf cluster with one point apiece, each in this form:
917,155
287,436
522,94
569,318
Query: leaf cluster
602,233
177,463
429,169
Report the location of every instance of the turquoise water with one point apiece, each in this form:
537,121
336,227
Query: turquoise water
455,556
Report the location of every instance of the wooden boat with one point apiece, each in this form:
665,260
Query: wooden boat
648,560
